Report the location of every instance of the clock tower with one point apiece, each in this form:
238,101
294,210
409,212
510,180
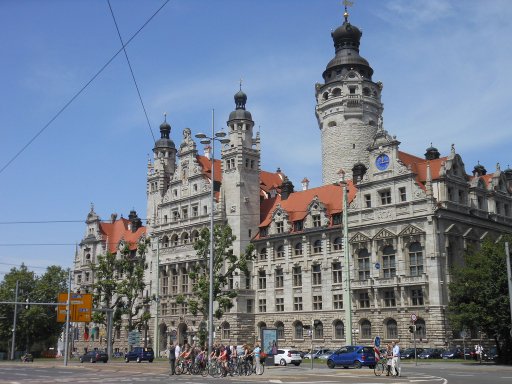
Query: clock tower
348,105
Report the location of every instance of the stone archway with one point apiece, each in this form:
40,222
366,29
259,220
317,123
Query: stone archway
182,333
162,338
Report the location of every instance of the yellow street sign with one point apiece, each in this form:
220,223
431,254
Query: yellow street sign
80,307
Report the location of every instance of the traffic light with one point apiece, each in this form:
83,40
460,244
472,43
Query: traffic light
27,301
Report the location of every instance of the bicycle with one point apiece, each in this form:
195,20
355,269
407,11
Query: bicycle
381,366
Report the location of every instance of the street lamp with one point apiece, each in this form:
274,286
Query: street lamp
347,300
216,136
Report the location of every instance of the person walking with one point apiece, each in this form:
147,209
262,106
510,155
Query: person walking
256,352
389,357
172,358
395,363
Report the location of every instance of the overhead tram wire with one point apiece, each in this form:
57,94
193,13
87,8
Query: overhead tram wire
131,69
52,222
4,167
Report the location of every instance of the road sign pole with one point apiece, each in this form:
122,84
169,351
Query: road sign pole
68,308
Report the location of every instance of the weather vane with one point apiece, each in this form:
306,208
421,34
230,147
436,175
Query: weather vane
347,3
240,83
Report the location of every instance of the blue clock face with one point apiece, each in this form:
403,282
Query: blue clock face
382,162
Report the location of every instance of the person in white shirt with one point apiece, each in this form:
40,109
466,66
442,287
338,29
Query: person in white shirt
395,363
177,352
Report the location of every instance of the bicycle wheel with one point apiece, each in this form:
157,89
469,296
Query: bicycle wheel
205,368
379,368
215,369
179,368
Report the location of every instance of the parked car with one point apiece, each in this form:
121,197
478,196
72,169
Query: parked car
325,355
454,353
431,353
409,353
316,353
352,355
140,354
94,356
287,356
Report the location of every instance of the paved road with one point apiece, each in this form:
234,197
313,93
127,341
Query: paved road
119,372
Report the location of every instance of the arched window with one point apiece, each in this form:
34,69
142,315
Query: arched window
263,254
336,92
391,330
421,329
298,249
225,331
325,96
298,330
318,330
363,262
280,330
366,329
195,236
337,243
317,246
388,262
184,238
280,251
174,240
165,242
415,259
339,330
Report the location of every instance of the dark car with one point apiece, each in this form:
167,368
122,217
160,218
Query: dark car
352,356
94,356
431,353
454,353
139,354
409,353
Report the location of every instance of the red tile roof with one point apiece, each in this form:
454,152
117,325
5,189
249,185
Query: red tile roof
114,232
419,166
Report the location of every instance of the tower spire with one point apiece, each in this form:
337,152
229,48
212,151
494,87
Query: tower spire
347,4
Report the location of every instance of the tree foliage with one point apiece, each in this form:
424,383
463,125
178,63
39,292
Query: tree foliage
36,324
225,265
479,294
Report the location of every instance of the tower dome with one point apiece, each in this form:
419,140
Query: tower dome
165,141
240,112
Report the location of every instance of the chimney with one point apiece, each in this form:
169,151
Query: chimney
207,151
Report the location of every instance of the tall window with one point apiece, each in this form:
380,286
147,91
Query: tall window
337,301
318,330
316,221
416,296
363,261
317,303
280,330
297,328
280,252
297,276
225,331
385,197
174,309
388,262
368,201
316,272
339,330
165,285
279,304
262,305
415,259
298,226
366,329
297,250
391,330
280,227
337,244
174,281
297,303
389,298
263,254
184,281
262,280
336,273
364,300
403,194
279,278
317,246
250,305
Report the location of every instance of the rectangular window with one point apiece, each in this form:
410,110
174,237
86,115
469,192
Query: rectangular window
262,305
184,282
368,201
231,282
480,202
298,334
337,219
385,197
316,221
163,309
336,273
165,285
388,266
417,297
364,300
450,194
498,208
280,227
316,272
165,219
174,309
403,194
174,283
462,197
279,278
184,308
297,303
297,276
195,211
279,304
175,215
205,209
337,301
262,280
363,262
250,305
415,262
184,213
298,226
317,303
389,299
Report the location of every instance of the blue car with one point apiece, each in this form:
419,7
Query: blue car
352,356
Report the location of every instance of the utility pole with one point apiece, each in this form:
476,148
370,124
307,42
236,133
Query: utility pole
13,343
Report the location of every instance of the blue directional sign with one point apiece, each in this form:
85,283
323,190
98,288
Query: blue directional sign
376,342
377,265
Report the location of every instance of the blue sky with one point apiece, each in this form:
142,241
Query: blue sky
445,66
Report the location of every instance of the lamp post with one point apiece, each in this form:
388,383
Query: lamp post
13,342
219,136
347,300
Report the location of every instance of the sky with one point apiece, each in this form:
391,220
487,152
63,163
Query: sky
445,66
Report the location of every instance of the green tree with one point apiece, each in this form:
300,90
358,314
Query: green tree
36,324
226,263
479,294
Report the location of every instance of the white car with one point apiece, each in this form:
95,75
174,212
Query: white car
287,356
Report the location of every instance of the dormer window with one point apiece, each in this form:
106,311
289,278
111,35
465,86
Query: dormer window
352,90
280,227
298,225
316,221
